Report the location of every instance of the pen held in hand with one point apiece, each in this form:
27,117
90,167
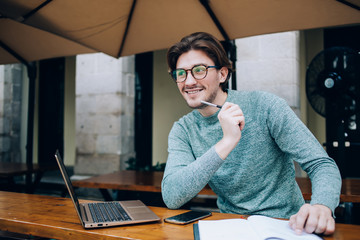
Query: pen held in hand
211,104
219,106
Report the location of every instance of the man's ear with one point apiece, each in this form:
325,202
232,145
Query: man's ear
224,71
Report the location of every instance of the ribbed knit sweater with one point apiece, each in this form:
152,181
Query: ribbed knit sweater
258,176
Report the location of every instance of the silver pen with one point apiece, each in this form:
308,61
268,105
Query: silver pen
211,104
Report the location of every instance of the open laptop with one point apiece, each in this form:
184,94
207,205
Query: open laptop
105,214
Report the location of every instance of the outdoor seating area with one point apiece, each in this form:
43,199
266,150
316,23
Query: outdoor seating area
114,115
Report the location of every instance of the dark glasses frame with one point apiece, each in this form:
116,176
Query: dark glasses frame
173,73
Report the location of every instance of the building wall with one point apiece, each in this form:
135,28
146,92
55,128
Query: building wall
104,113
10,112
168,107
270,63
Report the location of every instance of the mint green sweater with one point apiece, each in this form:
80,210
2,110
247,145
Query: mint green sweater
258,176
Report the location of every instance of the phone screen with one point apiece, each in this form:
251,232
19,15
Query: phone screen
187,217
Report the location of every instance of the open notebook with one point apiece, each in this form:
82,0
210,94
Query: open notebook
105,214
254,228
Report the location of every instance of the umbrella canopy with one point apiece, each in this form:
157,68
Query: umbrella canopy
125,27
31,43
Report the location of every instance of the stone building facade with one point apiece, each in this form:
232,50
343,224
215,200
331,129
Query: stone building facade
271,63
10,112
104,113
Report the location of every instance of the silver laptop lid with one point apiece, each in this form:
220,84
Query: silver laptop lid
68,184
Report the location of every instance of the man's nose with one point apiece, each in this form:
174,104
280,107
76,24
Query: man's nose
190,80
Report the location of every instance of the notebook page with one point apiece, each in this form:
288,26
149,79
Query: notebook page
270,227
229,229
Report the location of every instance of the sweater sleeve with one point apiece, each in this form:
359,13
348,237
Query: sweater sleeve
296,140
185,176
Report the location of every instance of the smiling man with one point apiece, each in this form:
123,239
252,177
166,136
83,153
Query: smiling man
245,150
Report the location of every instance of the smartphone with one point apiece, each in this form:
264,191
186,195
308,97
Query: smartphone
188,217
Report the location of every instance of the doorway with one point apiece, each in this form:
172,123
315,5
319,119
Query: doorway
51,110
143,110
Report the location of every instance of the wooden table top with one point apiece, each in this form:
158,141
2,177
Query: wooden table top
10,169
151,182
350,189
146,181
55,217
143,181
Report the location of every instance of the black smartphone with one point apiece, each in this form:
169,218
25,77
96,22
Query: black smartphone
188,217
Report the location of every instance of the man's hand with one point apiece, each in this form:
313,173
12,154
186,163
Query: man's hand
232,122
313,219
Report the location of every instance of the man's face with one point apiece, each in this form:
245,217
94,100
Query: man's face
205,89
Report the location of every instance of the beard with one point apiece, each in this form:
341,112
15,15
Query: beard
210,98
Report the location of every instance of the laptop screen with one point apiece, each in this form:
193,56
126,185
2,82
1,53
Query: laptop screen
68,182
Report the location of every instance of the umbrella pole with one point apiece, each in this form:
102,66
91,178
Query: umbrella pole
229,45
127,27
31,70
348,3
230,49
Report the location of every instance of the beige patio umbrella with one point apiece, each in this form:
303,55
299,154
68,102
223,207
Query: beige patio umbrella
125,27
31,43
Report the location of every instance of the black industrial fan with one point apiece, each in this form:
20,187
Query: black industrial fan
333,91
332,82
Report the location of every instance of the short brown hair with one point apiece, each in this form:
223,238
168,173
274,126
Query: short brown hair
206,43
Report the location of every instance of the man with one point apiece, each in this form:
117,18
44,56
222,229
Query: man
245,150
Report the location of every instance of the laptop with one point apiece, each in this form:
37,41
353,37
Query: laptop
106,214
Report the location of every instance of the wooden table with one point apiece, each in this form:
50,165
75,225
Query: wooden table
350,189
55,217
140,181
9,170
151,182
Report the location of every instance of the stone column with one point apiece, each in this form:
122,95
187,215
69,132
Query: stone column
104,113
271,63
10,112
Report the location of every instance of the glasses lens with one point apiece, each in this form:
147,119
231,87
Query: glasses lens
199,72
180,74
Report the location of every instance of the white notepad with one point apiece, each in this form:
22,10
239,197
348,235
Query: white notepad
254,228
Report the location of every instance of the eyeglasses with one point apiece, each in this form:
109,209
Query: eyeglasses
198,72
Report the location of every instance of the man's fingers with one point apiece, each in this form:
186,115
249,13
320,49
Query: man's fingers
330,227
233,111
242,123
299,220
311,223
316,218
321,224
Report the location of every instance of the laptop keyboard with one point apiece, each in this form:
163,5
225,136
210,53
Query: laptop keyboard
108,212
